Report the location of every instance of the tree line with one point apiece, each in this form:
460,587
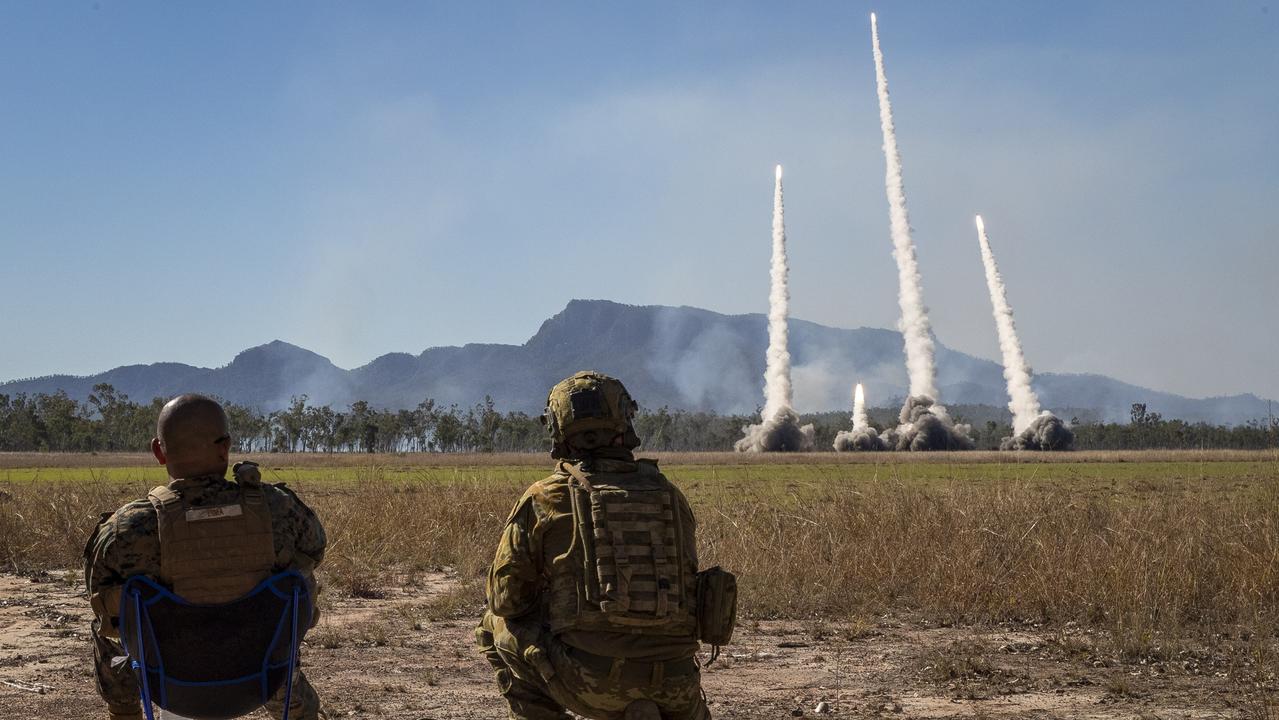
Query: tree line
108,421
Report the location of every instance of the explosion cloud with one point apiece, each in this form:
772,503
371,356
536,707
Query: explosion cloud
925,425
1032,429
940,432
1045,432
779,429
862,436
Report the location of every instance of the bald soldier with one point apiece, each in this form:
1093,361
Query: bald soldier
270,530
593,599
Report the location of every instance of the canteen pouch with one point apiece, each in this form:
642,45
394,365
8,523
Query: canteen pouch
716,606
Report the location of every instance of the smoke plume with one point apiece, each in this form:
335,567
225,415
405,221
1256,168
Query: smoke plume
862,436
1045,432
914,325
1032,429
925,425
1022,400
937,432
779,429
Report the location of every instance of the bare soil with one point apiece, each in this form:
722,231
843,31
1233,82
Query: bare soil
409,654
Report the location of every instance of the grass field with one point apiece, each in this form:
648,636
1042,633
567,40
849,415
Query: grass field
1157,553
1150,539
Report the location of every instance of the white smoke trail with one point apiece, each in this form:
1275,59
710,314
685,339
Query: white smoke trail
1022,400
860,419
914,325
779,428
777,386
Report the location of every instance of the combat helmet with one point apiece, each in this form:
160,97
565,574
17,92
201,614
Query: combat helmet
589,401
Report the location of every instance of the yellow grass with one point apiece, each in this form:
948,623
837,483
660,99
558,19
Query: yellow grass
1133,543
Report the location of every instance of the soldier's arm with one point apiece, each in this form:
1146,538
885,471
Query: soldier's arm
512,588
110,559
306,531
689,523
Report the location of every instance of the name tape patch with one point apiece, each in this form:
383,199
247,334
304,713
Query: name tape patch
214,513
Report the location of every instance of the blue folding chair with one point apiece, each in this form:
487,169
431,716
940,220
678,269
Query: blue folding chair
214,662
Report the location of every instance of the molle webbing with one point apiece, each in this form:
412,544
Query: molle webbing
632,565
214,554
634,542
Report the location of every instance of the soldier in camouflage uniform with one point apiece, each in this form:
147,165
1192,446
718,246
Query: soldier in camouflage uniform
591,594
193,442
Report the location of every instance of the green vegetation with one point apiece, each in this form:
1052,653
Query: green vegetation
1122,474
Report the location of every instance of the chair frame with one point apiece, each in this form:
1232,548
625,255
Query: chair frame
140,586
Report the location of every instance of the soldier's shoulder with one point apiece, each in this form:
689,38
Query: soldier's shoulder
549,490
136,516
648,466
284,502
280,492
559,475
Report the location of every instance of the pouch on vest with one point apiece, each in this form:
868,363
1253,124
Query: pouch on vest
629,569
716,606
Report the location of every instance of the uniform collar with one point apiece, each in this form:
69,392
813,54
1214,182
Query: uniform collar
198,481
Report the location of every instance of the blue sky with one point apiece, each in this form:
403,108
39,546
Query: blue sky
181,181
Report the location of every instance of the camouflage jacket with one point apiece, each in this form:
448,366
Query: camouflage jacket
540,528
126,542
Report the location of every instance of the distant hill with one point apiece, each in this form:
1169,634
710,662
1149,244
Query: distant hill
681,357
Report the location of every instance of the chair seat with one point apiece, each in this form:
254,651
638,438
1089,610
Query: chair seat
213,662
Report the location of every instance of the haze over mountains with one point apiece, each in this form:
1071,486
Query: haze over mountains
681,357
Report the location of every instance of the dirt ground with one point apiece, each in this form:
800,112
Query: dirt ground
409,654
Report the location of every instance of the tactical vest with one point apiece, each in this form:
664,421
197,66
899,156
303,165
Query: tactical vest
214,554
626,567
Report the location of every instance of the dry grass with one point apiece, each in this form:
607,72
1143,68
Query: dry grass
1134,562
481,460
1142,560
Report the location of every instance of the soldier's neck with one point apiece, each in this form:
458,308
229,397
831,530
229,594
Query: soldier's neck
606,453
183,482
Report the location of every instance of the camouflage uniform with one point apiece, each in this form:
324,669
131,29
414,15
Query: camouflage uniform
594,673
126,543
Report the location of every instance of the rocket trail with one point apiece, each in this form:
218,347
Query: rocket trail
860,420
779,428
914,325
925,424
1022,400
777,385
862,437
1033,428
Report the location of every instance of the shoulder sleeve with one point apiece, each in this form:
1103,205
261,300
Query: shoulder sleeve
512,587
299,525
122,545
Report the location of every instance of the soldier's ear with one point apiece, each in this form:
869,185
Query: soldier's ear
158,451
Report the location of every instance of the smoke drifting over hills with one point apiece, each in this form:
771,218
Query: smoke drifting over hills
779,428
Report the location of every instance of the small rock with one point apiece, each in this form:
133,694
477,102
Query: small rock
822,708
797,712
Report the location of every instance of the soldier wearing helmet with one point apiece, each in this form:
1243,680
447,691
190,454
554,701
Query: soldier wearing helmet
209,539
592,593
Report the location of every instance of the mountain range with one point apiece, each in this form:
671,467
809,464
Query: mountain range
680,357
